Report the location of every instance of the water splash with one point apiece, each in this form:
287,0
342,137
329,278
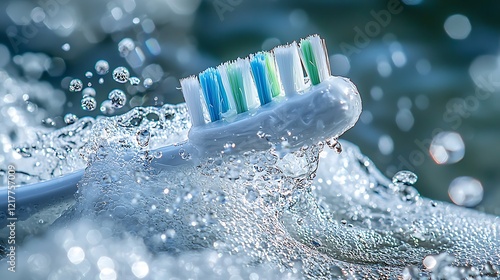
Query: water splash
312,213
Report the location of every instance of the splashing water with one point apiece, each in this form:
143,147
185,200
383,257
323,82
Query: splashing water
315,213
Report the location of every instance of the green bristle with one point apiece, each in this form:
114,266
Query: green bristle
235,78
309,61
272,75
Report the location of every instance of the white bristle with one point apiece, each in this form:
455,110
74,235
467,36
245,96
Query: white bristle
322,62
289,68
191,90
251,94
227,88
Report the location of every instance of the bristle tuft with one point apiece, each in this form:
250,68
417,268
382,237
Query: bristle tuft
191,91
214,93
289,68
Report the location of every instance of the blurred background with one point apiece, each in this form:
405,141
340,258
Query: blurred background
428,72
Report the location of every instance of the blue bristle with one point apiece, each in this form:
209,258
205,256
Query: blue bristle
258,64
213,91
223,94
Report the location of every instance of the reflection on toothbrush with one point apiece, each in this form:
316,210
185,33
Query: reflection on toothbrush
251,104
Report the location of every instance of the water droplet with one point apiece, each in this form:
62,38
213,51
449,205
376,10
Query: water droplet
24,152
118,98
49,122
134,81
184,154
88,103
466,191
490,270
125,46
101,81
447,147
88,92
229,146
70,118
334,144
405,177
66,47
121,74
88,74
158,154
457,26
142,136
75,85
107,108
148,82
101,67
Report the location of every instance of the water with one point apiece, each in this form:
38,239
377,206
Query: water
311,213
322,212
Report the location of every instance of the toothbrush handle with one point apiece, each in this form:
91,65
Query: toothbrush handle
31,198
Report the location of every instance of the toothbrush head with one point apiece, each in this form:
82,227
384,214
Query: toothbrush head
270,92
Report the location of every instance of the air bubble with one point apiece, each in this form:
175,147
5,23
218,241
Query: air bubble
134,81
102,67
88,103
75,85
88,74
125,46
143,136
70,118
466,191
66,47
121,74
148,82
117,98
107,108
88,92
447,147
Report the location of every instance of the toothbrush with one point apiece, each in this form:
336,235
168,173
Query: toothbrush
253,103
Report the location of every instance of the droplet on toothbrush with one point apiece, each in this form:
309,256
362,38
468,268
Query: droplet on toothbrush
229,146
75,85
88,103
334,144
405,177
101,67
118,98
125,46
134,81
70,118
121,74
158,154
143,136
184,154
